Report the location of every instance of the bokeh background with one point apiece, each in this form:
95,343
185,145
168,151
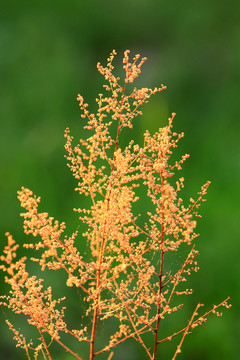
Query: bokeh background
48,54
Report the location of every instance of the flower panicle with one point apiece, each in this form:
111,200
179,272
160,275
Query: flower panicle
135,221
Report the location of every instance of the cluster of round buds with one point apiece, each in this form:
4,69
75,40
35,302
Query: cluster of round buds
132,69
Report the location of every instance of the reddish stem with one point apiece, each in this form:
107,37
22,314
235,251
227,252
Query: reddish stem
160,284
97,301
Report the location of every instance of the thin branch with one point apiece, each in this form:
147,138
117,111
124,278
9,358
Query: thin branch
196,322
186,331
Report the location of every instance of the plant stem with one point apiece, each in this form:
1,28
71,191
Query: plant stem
160,283
100,259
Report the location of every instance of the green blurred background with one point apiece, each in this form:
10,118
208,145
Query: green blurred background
48,54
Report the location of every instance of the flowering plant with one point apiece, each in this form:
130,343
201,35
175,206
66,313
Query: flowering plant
126,278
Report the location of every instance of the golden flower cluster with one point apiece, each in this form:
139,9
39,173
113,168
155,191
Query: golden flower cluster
125,278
